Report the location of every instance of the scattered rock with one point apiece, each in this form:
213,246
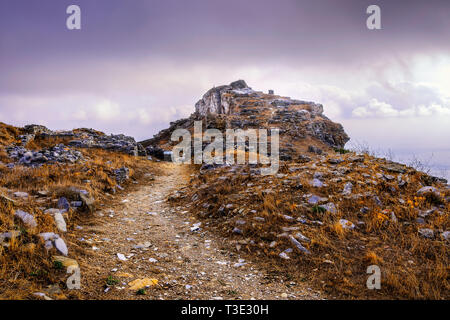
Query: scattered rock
122,174
66,262
42,295
315,150
426,233
347,189
395,167
142,283
298,245
301,237
196,226
445,235
63,204
346,224
60,245
237,231
335,161
428,189
22,195
121,257
316,183
59,219
284,255
26,218
329,207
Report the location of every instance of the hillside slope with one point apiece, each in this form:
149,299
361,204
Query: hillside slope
328,212
79,197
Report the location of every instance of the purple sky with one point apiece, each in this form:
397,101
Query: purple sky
136,65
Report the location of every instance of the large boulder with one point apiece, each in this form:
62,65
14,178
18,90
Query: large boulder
217,100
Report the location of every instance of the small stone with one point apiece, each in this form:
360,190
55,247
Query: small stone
316,183
283,255
142,283
298,245
20,194
26,218
315,150
76,204
426,213
335,161
59,219
42,295
347,189
48,245
237,231
420,220
121,257
378,201
60,245
313,199
427,189
394,217
63,204
346,224
329,207
364,210
48,236
144,245
301,237
66,262
196,226
427,233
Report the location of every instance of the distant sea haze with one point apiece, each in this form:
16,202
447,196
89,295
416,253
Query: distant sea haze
437,161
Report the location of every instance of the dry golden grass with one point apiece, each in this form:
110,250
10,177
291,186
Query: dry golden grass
412,267
9,134
25,266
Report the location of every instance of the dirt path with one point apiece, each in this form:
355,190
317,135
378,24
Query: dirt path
187,264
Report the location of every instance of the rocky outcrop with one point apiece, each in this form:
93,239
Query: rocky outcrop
67,153
57,154
218,100
237,106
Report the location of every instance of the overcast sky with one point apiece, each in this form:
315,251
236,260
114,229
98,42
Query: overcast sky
136,65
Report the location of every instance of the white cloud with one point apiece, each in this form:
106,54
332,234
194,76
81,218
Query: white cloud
376,108
402,99
379,109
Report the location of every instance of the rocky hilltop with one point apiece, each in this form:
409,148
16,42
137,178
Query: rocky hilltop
320,221
302,124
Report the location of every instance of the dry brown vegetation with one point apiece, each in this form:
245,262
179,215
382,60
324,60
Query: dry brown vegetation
25,265
412,267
